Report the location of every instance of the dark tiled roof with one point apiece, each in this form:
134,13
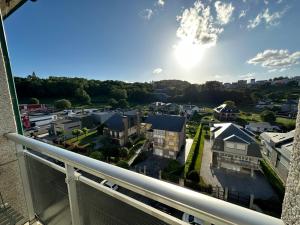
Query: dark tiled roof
115,122
235,138
166,122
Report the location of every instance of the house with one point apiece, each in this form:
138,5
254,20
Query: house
234,149
166,108
101,117
277,147
226,112
260,127
290,107
166,133
189,110
28,108
37,120
121,126
65,126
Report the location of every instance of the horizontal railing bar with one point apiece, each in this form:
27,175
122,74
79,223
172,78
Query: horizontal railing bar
124,198
186,200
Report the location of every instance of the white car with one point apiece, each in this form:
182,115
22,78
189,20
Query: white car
191,219
110,185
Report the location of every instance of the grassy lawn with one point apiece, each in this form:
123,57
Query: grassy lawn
82,139
288,123
250,117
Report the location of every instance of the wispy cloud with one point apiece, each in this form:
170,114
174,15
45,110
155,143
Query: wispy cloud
197,25
276,59
224,11
248,76
146,14
242,13
270,19
157,71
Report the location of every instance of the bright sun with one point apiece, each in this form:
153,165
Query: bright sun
188,54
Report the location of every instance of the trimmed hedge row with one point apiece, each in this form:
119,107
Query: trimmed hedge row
190,162
273,178
199,154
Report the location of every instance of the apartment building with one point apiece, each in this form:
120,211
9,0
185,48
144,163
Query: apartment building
166,133
234,149
277,147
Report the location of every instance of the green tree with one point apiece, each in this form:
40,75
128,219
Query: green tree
62,104
100,128
124,152
113,102
123,104
34,101
82,96
85,131
268,116
77,132
118,93
97,155
229,103
123,164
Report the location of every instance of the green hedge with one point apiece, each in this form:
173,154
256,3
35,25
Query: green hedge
190,162
273,178
199,154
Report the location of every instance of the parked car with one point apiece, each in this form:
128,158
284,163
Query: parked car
110,185
191,219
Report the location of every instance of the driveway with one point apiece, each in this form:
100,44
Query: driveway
235,181
184,154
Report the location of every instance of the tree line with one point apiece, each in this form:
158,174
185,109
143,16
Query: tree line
119,93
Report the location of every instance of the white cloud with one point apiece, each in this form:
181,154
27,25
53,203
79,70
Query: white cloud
224,12
276,59
146,14
161,3
242,13
279,1
198,26
157,71
248,76
270,19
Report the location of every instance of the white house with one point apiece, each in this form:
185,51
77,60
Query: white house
260,127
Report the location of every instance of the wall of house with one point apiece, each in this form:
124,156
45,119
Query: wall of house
291,206
235,148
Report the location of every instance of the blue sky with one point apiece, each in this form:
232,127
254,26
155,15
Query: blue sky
144,40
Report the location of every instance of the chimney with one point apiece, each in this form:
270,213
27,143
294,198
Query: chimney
125,123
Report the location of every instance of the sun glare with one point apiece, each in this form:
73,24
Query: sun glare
188,54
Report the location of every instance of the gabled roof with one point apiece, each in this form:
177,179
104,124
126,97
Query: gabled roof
166,122
115,122
224,108
237,139
233,132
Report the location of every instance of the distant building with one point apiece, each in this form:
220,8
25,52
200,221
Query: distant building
290,107
242,83
28,108
166,133
121,126
252,81
86,120
260,127
278,149
37,120
189,110
65,126
226,112
234,149
166,108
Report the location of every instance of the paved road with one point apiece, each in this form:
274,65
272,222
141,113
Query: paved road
244,183
184,154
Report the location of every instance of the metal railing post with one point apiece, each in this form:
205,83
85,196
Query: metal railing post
72,193
25,181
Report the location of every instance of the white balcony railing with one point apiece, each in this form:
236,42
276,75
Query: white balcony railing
82,192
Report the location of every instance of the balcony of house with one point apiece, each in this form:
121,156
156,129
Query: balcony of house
239,162
63,187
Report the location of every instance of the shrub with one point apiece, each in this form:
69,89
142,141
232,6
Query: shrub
62,104
193,176
123,164
273,178
97,155
34,101
124,152
268,116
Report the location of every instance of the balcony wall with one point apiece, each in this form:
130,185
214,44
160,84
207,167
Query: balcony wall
11,184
